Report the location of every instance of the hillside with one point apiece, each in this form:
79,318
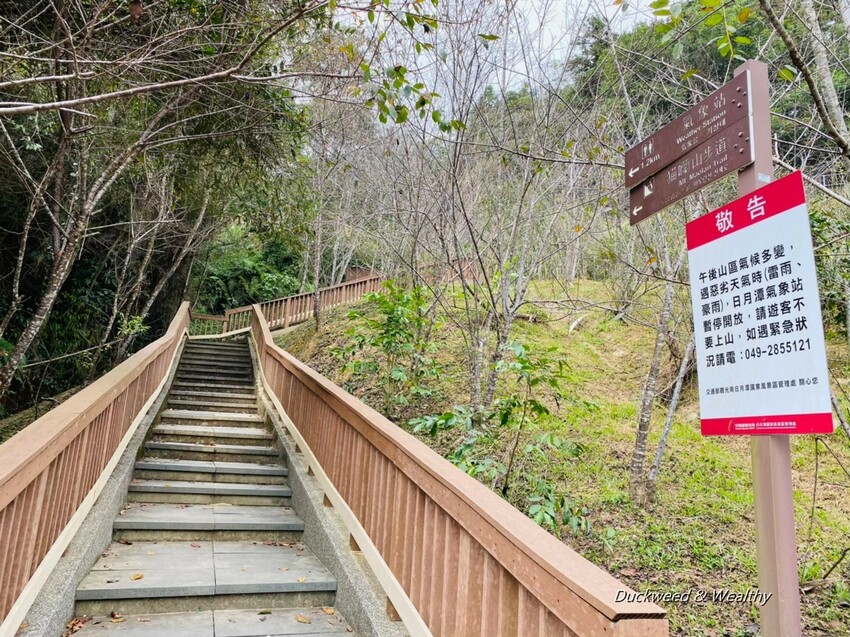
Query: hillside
698,535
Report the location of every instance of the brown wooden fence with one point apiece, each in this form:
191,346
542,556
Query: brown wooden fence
52,471
471,564
285,312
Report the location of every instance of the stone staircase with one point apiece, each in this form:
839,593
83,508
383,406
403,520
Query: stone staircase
208,544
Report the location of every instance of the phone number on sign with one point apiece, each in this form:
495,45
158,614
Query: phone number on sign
775,349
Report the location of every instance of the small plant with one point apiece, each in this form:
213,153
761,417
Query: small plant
132,325
841,592
5,348
533,372
554,510
395,346
609,539
459,416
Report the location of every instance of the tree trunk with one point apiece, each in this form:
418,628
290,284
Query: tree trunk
830,95
668,424
638,483
845,15
152,297
317,274
58,275
847,308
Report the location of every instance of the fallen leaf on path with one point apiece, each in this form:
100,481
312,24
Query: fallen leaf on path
136,576
301,619
327,610
195,545
301,580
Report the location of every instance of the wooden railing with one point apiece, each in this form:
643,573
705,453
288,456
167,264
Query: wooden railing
470,563
52,472
284,312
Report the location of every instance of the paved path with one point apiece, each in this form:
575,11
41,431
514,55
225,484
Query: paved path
208,544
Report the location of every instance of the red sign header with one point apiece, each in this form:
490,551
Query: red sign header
775,198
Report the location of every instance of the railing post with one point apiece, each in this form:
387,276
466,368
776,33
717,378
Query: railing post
226,323
286,318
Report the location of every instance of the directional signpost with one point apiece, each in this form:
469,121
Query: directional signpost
757,323
725,152
711,140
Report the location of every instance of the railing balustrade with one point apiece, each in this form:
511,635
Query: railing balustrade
52,472
284,312
471,564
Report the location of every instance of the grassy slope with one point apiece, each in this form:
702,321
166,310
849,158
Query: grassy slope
699,534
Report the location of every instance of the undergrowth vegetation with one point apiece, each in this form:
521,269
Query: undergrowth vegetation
556,444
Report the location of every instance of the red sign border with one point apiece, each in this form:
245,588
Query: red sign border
820,423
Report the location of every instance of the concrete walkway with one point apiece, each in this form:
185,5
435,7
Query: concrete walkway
208,544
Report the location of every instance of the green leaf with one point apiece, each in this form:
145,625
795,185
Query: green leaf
711,4
489,37
714,19
659,4
689,73
677,50
787,73
743,40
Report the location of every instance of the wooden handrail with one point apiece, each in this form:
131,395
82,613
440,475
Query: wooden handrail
470,562
290,310
58,463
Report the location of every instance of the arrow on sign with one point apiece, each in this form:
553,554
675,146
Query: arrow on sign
636,210
633,171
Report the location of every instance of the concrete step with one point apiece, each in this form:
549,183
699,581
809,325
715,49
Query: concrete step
233,407
225,360
212,435
213,395
215,378
214,424
209,471
190,367
189,492
210,348
209,452
180,576
172,522
289,622
179,386
211,418
236,358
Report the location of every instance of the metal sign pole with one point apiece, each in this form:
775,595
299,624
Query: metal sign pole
776,543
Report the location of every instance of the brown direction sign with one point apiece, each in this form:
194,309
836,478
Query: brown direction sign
729,150
727,105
